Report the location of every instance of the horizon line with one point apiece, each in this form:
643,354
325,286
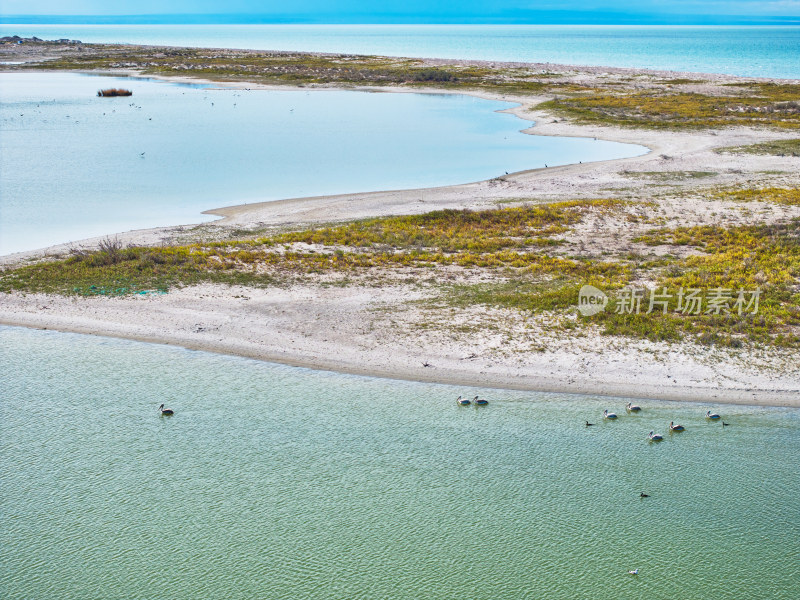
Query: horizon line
550,18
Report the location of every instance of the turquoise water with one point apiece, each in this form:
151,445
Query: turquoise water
276,482
73,165
758,51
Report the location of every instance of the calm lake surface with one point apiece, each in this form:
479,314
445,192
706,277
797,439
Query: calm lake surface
277,482
757,51
73,165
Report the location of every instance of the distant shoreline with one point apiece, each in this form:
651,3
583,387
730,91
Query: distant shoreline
415,41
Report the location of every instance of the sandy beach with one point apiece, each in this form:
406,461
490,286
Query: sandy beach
368,331
390,330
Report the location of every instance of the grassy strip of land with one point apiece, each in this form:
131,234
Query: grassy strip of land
294,68
521,256
460,230
509,237
764,104
776,148
789,197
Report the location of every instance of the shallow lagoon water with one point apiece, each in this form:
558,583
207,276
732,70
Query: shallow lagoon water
73,165
279,482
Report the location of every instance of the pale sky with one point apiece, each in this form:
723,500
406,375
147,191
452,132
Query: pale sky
303,10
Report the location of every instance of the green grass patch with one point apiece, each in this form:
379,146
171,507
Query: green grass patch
776,148
735,259
789,197
556,295
774,106
451,231
669,175
126,271
681,81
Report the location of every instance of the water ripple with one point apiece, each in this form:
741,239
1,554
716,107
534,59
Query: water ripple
273,482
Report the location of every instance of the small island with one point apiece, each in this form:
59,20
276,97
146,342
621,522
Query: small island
112,92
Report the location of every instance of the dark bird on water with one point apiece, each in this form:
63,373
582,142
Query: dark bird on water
724,424
589,424
643,495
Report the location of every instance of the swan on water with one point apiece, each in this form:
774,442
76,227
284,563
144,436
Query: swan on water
633,407
654,437
712,416
167,412
463,401
673,427
609,415
480,401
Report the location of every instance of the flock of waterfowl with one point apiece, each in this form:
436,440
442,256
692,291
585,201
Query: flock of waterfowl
631,408
461,401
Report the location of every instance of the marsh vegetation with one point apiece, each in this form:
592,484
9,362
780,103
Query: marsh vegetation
529,258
